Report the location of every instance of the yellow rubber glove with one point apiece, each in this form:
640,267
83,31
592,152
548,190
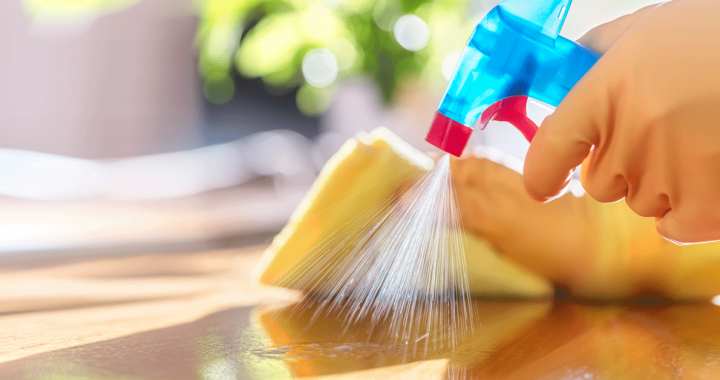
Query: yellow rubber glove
595,250
647,117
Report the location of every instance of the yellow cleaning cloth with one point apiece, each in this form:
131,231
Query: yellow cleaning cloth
365,173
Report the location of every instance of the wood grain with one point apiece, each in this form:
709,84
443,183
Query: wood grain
198,316
63,305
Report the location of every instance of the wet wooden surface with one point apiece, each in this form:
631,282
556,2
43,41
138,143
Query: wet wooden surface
197,316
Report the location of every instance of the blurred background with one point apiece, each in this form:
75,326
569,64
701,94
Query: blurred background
201,123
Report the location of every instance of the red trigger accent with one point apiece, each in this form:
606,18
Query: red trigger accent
514,111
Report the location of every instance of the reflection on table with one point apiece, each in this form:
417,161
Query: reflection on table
198,316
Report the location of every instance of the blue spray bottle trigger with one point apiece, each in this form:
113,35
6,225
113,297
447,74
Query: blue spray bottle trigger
514,53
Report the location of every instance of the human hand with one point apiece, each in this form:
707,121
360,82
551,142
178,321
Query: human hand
594,250
550,239
644,121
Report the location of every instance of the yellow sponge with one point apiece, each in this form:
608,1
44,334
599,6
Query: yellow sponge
365,173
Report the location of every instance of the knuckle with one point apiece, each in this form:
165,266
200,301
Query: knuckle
687,229
536,191
668,230
642,207
538,184
648,206
604,188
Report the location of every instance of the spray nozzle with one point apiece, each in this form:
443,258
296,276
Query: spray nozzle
515,53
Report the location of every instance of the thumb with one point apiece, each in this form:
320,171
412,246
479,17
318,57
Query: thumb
566,137
603,37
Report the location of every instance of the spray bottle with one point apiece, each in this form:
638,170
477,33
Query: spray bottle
514,53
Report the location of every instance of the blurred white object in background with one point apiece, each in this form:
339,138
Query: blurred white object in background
411,32
175,174
289,158
320,67
286,156
34,175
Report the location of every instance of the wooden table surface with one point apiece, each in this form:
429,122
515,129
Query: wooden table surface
196,315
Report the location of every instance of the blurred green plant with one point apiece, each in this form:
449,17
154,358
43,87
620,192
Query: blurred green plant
310,44
313,43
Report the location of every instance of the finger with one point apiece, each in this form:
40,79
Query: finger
480,185
566,136
467,175
603,37
644,193
485,173
648,205
674,228
696,224
599,177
